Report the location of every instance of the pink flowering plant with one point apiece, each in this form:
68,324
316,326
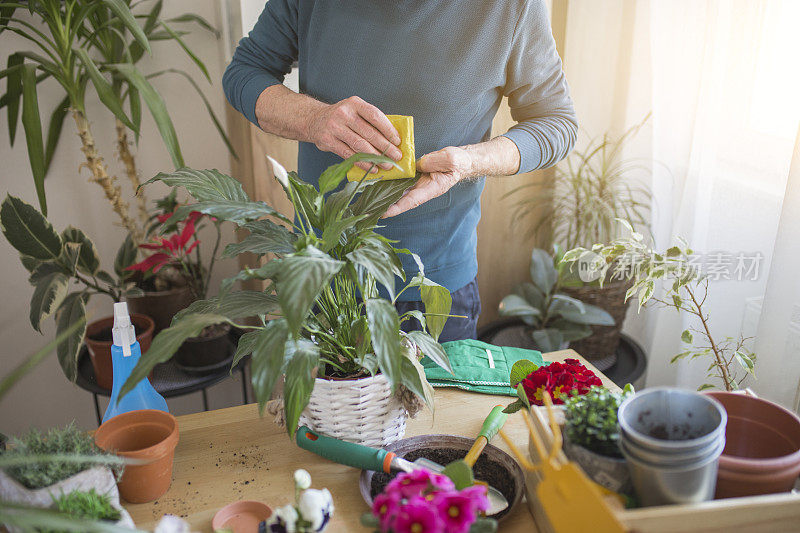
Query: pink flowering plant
424,502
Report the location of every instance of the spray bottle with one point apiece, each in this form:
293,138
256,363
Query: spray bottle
125,353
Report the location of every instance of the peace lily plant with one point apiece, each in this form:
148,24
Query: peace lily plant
327,316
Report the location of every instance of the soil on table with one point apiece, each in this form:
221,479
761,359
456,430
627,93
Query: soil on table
492,472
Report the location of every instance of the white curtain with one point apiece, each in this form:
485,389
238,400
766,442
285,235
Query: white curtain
722,80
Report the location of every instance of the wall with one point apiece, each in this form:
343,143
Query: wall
45,398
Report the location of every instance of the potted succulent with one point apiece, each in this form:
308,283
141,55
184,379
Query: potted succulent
54,260
554,319
350,372
592,189
591,436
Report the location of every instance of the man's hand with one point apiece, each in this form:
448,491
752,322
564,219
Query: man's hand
352,126
440,171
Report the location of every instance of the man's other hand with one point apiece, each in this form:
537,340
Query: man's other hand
353,126
440,171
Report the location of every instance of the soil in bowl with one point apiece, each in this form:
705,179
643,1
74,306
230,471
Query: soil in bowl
492,472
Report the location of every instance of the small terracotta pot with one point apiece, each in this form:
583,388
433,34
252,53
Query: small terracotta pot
161,305
762,452
149,435
100,351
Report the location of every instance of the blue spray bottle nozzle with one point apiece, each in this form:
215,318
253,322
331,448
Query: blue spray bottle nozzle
125,353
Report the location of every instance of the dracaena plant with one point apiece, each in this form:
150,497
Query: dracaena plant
83,44
554,317
64,272
330,286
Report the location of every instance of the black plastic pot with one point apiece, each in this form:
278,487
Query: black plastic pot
202,355
631,361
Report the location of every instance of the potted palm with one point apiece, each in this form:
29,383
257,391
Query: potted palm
350,372
580,207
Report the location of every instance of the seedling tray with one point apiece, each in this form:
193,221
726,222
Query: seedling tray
770,512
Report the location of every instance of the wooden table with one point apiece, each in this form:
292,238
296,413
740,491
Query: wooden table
233,454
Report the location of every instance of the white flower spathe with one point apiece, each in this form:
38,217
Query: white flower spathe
172,524
316,507
280,173
302,479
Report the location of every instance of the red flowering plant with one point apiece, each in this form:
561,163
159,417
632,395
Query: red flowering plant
174,258
560,380
424,502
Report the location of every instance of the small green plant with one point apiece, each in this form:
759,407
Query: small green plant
85,505
591,420
322,285
685,289
53,443
555,317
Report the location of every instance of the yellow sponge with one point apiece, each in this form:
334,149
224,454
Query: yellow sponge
408,166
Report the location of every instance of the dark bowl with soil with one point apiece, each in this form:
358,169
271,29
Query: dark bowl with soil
494,466
207,352
98,341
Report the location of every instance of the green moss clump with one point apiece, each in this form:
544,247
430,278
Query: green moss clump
591,420
86,506
67,441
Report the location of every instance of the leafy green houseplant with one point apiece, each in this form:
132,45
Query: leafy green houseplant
553,317
54,261
81,44
328,319
669,279
592,188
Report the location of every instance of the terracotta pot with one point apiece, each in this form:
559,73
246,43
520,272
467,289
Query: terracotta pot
100,350
149,435
762,453
161,306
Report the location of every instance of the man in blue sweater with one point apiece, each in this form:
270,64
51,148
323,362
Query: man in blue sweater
448,63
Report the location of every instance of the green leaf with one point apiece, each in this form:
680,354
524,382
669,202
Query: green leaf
158,110
71,312
333,230
88,258
266,271
562,301
196,60
265,237
705,386
677,301
333,175
528,291
126,256
30,263
247,344
413,378
151,21
431,349
543,272
233,305
208,185
200,21
570,331
166,343
303,357
267,363
377,262
483,525
384,328
54,131
746,361
521,369
523,396
377,197
104,90
236,212
513,407
513,305
437,302
548,339
28,231
687,337
135,106
44,269
50,291
299,282
32,124
14,93
460,474
592,315
123,13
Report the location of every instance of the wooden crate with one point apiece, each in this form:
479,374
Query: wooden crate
768,513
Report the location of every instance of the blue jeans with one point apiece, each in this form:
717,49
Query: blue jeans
466,302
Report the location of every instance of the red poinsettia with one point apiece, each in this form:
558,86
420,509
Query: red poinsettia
561,380
175,249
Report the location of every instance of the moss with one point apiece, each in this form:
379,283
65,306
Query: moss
591,420
85,505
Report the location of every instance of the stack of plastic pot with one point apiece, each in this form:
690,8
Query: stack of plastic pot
672,440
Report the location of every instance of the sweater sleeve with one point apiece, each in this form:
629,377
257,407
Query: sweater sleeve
538,94
263,58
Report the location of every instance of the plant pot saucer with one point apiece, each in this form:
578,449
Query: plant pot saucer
241,517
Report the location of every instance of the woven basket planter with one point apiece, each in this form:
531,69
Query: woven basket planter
601,346
365,411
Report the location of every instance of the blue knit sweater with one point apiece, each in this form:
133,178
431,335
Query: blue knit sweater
446,62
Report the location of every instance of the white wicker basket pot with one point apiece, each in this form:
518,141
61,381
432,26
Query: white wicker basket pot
363,410
99,478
